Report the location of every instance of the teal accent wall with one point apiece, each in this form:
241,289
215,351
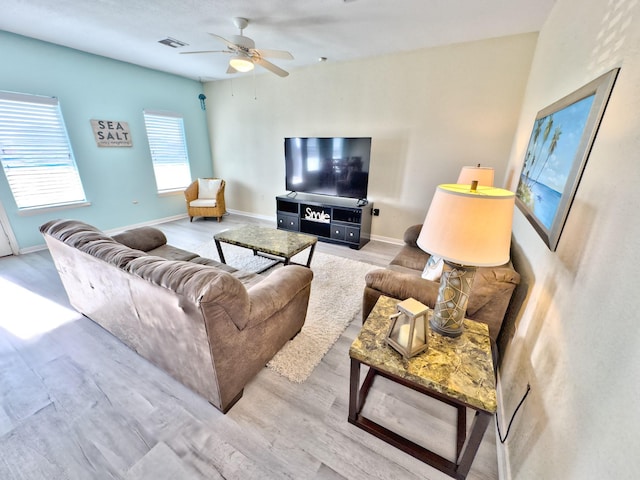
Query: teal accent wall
119,182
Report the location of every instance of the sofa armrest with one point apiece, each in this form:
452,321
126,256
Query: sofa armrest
191,192
220,202
411,235
275,292
402,286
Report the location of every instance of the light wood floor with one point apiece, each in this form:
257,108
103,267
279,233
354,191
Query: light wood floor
77,404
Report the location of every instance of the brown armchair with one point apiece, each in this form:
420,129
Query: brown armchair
205,198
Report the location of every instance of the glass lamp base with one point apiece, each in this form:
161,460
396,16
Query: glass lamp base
453,295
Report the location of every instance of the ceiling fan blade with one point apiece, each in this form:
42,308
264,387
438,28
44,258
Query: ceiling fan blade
229,44
271,67
268,53
207,51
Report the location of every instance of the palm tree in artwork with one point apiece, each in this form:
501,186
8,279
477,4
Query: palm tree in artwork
534,154
531,157
552,148
545,135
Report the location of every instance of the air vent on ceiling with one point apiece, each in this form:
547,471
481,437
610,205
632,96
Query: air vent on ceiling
172,42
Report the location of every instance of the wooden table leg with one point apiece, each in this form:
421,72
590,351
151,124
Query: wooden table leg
466,445
480,423
354,390
461,435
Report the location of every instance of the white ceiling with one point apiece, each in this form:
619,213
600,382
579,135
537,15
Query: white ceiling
129,30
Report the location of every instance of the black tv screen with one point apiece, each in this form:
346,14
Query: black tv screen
328,166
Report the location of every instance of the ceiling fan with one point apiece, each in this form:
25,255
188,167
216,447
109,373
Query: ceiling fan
245,55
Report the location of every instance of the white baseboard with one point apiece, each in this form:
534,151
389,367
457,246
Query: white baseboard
394,241
268,218
113,231
504,470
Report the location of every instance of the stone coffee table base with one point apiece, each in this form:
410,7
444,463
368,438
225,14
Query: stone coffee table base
268,242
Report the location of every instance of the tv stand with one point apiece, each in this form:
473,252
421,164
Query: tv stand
338,220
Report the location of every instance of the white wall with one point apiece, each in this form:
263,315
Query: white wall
429,112
577,338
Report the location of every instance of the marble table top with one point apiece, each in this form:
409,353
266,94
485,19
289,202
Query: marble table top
460,368
267,240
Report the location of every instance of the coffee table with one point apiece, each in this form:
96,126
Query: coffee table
456,371
267,242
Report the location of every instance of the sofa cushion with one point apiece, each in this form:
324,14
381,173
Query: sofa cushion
203,202
170,252
248,279
208,187
63,229
199,283
112,252
80,239
411,257
142,238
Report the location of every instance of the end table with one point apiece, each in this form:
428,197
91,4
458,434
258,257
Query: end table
457,371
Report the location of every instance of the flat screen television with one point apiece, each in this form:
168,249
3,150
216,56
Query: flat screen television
334,166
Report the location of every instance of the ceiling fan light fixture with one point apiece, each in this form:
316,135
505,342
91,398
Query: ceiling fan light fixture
241,64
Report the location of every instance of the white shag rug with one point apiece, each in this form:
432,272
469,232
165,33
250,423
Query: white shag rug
335,300
237,257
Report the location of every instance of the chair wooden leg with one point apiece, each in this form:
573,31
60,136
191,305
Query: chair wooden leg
219,219
191,219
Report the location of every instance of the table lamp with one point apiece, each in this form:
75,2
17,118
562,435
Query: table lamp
468,226
483,175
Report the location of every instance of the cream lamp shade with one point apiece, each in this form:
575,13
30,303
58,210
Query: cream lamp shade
483,175
241,64
469,227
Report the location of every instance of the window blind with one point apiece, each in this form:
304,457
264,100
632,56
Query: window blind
165,132
35,152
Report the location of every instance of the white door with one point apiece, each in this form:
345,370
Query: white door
5,246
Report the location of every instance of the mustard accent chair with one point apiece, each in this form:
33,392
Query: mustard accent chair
205,198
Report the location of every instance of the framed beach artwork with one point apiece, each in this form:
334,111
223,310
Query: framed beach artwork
556,155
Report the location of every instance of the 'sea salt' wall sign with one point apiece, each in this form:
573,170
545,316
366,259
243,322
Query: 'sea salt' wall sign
109,133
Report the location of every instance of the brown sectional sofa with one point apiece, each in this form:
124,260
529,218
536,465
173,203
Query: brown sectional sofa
208,325
490,294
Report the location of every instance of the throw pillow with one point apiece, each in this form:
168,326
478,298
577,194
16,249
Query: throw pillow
208,187
433,269
142,238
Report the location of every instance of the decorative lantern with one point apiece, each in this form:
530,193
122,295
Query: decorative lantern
409,323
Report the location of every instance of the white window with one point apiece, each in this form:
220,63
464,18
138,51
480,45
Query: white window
36,154
168,147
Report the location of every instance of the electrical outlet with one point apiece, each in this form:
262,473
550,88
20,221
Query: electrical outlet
375,212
